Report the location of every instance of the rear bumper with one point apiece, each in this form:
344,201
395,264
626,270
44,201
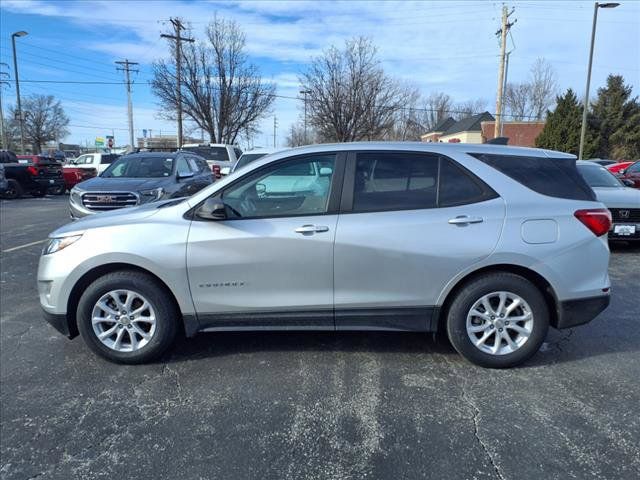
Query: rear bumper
50,182
572,313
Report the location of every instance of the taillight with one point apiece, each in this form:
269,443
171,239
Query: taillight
32,170
598,220
216,171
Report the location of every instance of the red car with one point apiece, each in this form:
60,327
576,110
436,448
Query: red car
47,171
74,175
616,167
631,174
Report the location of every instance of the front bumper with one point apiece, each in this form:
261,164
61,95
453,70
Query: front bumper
572,313
59,322
78,211
625,236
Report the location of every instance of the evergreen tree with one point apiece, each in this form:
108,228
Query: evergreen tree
562,129
614,122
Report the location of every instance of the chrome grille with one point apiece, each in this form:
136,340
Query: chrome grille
622,215
108,200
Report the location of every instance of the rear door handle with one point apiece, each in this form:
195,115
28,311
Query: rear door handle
465,220
312,229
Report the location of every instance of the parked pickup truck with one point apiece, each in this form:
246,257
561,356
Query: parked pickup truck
23,178
98,161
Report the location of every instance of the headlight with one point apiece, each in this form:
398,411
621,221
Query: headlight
56,244
152,195
76,195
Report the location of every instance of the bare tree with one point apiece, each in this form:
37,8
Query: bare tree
531,100
468,108
437,106
222,93
44,121
409,120
544,87
296,137
350,96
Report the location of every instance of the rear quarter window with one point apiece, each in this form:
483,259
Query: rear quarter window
554,177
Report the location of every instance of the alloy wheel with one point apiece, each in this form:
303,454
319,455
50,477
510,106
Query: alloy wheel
499,323
123,320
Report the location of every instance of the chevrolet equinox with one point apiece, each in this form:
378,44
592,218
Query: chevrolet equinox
492,244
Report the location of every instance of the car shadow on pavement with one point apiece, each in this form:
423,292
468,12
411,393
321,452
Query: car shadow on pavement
236,343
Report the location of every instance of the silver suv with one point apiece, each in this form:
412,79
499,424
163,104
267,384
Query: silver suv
492,244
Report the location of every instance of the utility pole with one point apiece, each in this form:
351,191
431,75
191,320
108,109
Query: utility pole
178,27
275,128
126,68
504,29
3,134
15,35
305,93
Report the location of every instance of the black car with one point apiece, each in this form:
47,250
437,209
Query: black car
140,178
30,174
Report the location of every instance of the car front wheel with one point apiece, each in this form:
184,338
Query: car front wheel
127,317
498,320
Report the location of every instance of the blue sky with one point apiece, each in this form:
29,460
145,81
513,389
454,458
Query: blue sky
437,46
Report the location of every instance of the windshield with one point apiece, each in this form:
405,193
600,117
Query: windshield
140,167
209,153
598,176
247,158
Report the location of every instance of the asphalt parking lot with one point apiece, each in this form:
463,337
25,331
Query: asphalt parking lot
310,405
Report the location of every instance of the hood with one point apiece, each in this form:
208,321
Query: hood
121,216
108,184
622,197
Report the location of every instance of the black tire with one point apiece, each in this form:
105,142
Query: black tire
39,193
59,190
14,190
156,294
486,284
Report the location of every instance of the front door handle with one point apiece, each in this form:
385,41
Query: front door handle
307,229
465,220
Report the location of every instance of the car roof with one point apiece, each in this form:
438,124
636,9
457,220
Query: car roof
266,151
429,147
151,154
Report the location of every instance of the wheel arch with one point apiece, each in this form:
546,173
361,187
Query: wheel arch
534,277
189,322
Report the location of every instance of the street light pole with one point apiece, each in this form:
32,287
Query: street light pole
21,33
583,129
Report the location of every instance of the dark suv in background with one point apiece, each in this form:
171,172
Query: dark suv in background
140,178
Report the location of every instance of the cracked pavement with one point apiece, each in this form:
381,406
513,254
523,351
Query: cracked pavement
310,405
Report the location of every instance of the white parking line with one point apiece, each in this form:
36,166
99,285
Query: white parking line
23,246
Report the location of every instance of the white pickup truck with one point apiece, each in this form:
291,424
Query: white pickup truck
97,161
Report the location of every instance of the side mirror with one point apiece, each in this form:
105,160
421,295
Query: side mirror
212,209
326,171
182,175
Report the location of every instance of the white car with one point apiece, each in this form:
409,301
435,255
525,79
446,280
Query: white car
623,202
220,157
98,161
247,157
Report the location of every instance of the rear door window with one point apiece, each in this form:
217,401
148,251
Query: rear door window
395,181
554,177
458,187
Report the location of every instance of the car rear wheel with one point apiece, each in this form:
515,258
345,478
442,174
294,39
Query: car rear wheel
498,320
127,317
14,190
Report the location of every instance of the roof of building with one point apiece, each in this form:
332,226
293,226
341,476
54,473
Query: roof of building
443,124
469,124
